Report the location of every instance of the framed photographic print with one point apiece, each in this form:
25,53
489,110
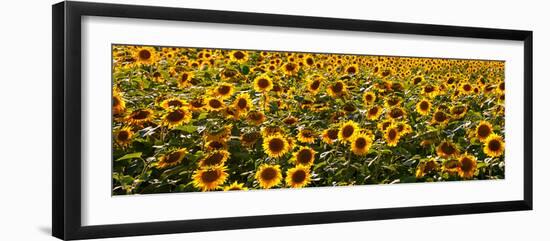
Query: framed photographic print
170,120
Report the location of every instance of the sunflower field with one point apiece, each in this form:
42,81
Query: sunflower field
195,119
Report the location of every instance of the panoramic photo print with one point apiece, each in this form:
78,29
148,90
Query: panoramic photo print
188,119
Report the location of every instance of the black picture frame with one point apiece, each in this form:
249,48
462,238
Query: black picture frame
66,47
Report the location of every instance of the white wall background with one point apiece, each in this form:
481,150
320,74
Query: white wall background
25,119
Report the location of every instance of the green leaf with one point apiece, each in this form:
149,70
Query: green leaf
245,69
130,156
187,128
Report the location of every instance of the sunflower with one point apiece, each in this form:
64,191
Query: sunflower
483,130
263,83
269,175
172,103
451,166
347,130
210,178
256,117
140,116
306,135
223,90
458,111
369,98
214,104
275,146
290,120
243,103
337,89
314,84
373,113
228,73
330,135
440,117
361,144
466,89
351,69
298,177
425,167
396,113
304,156
250,138
290,68
216,158
494,145
446,149
417,79
392,135
216,144
238,56
467,167
235,186
423,107
197,104
184,80
176,117
145,55
119,106
123,137
171,159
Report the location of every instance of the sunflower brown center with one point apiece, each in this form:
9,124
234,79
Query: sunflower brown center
263,83
250,137
290,67
304,156
173,157
140,115
501,86
447,148
184,77
466,164
123,135
315,85
467,87
351,70
299,176
276,145
242,104
175,103
144,54
269,174
373,111
215,103
238,55
424,105
417,80
348,131
213,159
494,145
396,113
338,87
215,145
210,176
175,116
332,134
429,89
360,143
368,98
459,110
224,89
392,134
229,73
440,116
309,61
